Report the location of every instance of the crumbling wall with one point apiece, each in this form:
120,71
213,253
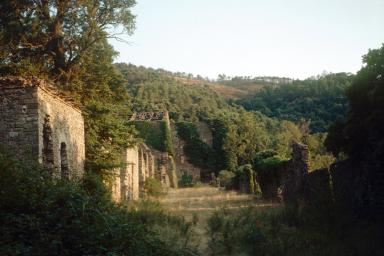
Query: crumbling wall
40,123
298,166
146,163
270,180
161,167
139,164
19,118
159,154
205,132
317,187
181,159
67,127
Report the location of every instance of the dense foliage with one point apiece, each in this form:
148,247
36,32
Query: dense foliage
152,90
198,152
54,36
42,216
322,100
243,134
271,231
361,134
155,134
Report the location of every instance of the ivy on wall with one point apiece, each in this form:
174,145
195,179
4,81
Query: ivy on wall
155,134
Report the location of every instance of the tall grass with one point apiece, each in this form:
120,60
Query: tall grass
281,231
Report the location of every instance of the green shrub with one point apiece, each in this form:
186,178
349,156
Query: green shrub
151,133
153,187
226,178
198,152
279,231
186,180
268,166
168,145
42,216
265,232
246,179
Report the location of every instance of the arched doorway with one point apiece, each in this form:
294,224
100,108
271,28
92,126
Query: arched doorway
64,161
48,160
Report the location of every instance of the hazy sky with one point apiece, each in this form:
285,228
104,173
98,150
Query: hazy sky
293,38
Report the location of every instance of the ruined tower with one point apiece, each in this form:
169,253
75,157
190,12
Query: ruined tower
38,122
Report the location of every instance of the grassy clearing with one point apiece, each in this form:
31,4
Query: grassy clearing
198,205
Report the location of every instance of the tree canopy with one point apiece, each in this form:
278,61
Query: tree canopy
55,35
361,135
321,101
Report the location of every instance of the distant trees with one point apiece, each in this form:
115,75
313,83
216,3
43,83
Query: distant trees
322,100
153,90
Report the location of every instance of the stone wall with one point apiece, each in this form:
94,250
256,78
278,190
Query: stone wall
205,133
161,167
181,159
19,118
297,169
353,188
67,134
317,187
146,164
139,163
38,122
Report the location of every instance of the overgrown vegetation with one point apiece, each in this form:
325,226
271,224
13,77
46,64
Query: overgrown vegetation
153,90
198,152
154,188
360,135
42,216
186,179
278,231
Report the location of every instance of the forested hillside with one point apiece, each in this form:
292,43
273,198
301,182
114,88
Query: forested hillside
154,90
320,101
238,135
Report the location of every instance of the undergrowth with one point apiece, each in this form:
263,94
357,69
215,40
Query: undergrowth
281,231
43,216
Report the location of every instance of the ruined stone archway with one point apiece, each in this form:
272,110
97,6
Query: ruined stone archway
48,159
64,161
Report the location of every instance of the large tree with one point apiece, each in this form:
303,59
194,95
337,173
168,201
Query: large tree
56,34
361,136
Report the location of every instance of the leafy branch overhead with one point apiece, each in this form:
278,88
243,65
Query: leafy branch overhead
57,34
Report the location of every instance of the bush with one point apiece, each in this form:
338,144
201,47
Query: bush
153,187
226,179
246,179
42,216
198,152
279,231
263,232
269,167
186,180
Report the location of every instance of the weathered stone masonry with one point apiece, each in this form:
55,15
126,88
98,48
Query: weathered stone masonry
37,122
129,180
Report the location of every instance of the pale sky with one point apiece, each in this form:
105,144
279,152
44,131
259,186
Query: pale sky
291,38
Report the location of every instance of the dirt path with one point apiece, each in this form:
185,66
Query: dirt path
200,203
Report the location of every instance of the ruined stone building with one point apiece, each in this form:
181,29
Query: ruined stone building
165,167
294,176
139,164
181,159
142,162
38,122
